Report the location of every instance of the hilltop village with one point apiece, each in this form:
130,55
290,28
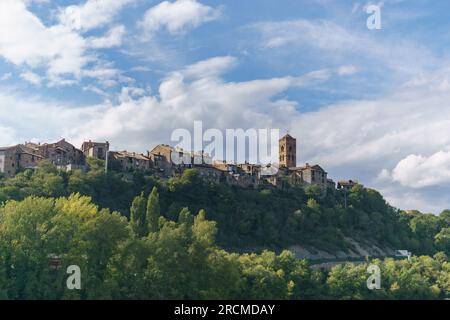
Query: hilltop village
158,162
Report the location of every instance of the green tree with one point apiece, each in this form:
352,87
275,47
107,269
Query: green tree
138,216
442,240
153,210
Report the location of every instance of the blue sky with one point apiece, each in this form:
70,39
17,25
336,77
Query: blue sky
367,104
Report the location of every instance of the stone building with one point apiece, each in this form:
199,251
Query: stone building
16,158
96,150
288,151
60,153
251,169
312,175
210,173
162,158
130,161
226,167
243,175
169,160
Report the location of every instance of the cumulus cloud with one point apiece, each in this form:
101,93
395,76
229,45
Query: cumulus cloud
178,16
378,132
35,119
92,14
23,37
7,136
141,119
61,50
417,171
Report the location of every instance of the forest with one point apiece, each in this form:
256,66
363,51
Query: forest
138,237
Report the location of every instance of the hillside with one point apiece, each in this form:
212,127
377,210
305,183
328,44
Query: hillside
275,219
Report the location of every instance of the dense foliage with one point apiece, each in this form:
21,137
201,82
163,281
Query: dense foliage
179,260
149,245
251,218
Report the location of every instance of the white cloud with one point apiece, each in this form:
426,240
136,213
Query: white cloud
178,16
33,118
32,78
142,119
415,200
128,93
25,40
112,39
65,54
378,132
92,14
107,75
210,68
7,136
103,73
417,171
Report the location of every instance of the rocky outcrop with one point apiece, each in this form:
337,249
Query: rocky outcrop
359,250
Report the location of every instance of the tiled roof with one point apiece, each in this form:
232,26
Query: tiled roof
126,154
314,167
288,136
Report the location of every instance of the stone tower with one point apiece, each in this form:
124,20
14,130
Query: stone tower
288,151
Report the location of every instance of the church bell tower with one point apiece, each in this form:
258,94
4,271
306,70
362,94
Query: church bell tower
288,151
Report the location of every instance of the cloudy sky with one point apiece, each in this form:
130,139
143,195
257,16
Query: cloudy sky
372,105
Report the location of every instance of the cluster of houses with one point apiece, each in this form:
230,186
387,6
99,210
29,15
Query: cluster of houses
160,162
